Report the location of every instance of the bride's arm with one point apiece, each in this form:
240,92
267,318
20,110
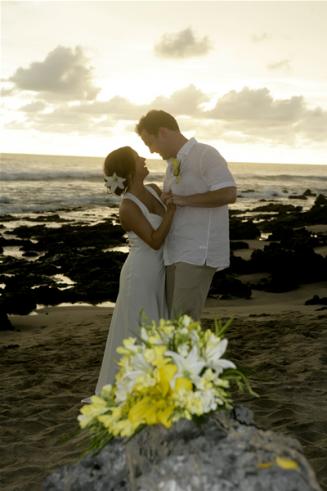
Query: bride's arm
132,219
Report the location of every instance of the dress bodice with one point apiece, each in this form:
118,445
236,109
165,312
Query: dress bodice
155,220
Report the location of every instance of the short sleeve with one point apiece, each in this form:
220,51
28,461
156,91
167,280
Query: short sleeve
214,170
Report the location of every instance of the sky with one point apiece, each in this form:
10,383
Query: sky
248,77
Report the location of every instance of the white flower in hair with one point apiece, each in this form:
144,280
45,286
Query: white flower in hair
113,182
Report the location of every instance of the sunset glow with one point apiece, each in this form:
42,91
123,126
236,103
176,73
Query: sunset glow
247,77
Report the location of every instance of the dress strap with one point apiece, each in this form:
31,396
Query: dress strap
155,194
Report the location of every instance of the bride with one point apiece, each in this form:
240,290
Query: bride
146,220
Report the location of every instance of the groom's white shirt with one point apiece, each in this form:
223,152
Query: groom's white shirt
198,235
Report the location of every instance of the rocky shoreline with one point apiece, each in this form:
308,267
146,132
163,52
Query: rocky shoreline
289,250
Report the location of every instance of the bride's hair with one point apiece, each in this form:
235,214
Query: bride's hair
121,162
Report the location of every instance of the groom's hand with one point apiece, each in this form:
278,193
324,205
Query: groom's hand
178,200
166,197
173,199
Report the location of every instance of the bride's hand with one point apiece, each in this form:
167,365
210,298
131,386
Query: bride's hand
171,207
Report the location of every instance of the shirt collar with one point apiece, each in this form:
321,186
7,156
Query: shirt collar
185,149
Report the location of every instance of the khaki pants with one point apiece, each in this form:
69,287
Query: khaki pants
187,287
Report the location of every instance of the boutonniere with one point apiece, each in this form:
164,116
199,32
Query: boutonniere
176,164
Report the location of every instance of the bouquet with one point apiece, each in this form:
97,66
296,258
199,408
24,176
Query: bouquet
174,370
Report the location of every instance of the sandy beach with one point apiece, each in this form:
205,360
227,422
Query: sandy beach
52,359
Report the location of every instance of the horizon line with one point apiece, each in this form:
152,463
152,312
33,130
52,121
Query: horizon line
160,160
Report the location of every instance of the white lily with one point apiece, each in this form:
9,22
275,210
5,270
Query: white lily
186,320
138,368
189,366
209,401
183,349
212,353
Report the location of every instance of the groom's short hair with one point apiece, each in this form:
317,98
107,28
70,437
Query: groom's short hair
156,119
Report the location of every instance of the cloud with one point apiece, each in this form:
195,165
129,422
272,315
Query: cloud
255,113
314,125
258,38
257,106
118,107
5,92
33,107
248,115
65,73
64,118
95,116
186,101
79,118
280,65
182,44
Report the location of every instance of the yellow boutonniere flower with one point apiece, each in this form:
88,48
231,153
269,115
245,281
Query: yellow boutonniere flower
176,164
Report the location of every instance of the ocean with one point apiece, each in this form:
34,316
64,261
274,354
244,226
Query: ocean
74,186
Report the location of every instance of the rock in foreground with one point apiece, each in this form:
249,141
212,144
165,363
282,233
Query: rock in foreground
225,453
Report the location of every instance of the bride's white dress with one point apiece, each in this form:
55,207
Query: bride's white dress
141,287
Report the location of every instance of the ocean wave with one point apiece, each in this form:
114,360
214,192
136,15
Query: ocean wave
49,175
283,177
5,200
83,202
53,175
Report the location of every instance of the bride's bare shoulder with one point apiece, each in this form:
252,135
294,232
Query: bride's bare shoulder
127,206
128,210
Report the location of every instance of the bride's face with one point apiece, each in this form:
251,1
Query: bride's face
141,169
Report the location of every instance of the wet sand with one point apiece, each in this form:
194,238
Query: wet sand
52,361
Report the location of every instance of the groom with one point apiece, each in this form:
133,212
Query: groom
198,181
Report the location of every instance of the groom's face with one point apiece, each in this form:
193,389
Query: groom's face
157,143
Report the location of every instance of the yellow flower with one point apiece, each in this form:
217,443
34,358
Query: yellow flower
155,339
143,382
90,412
206,381
157,406
265,465
155,356
165,375
164,414
176,164
183,383
192,402
287,464
124,428
150,411
129,347
107,421
107,391
195,406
